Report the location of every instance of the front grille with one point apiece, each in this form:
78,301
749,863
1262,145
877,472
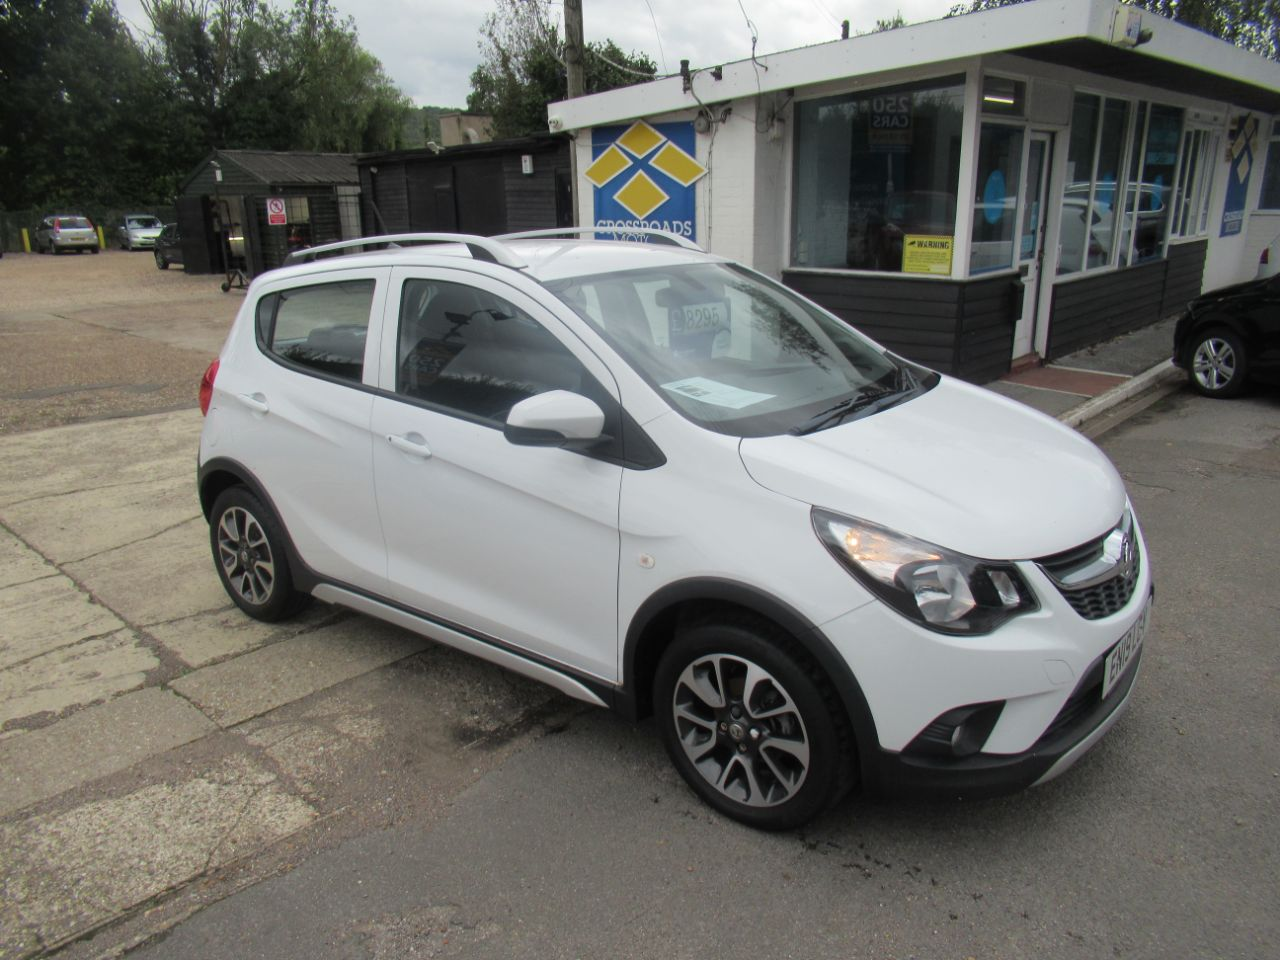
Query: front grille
1098,578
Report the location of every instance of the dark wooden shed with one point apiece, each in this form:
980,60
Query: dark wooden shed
481,188
248,209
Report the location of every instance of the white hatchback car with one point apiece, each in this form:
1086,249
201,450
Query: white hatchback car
663,483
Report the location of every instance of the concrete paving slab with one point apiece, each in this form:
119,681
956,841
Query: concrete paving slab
270,677
97,669
219,634
72,526
94,743
46,614
91,456
66,873
164,578
19,563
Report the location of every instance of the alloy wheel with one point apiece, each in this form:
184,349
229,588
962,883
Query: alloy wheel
245,555
741,730
1214,363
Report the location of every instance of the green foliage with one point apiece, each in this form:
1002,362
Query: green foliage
1251,24
522,68
92,115
78,106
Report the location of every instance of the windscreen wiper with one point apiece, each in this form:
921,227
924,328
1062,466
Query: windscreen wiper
833,415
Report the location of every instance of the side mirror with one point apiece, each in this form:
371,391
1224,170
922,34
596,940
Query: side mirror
554,418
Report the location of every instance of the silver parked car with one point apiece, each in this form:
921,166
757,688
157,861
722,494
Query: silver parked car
66,232
138,231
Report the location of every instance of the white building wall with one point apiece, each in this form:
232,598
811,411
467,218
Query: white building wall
1235,259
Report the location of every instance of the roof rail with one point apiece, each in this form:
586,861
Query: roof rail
660,236
481,248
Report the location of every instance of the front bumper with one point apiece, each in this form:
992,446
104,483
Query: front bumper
1083,721
1030,693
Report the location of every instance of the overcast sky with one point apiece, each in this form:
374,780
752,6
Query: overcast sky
428,47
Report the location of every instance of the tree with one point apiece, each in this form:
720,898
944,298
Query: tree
251,76
82,113
522,68
1251,24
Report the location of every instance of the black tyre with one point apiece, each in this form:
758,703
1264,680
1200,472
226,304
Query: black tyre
751,725
95,249
249,552
1218,363
161,262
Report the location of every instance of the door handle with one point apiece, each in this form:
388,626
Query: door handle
412,444
255,402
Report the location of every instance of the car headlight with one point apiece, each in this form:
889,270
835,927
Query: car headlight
939,588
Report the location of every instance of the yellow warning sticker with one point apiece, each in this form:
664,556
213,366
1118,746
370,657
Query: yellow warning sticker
922,253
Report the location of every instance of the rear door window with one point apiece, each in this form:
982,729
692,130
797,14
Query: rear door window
320,329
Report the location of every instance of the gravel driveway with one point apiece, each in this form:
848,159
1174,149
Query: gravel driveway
95,337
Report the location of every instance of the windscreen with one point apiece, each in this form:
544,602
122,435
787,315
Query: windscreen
729,349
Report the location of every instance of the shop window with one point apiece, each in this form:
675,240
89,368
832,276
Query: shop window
995,213
1270,199
1195,179
1148,198
1095,157
873,168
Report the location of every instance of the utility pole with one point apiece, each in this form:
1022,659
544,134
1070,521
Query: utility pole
575,83
573,48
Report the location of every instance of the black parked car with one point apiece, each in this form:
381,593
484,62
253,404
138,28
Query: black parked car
168,246
1230,336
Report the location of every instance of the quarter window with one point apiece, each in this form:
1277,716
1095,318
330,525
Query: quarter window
321,328
474,353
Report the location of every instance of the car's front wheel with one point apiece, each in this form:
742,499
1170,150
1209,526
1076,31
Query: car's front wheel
1218,363
161,262
751,725
249,551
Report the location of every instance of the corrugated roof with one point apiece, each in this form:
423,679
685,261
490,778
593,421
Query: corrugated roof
272,167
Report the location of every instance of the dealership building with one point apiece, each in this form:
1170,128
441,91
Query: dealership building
973,192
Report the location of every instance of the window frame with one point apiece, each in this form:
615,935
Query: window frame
388,364
1272,151
373,332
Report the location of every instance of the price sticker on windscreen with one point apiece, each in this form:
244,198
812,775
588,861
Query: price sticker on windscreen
700,317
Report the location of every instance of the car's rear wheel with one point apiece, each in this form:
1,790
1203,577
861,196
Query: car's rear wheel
1218,363
751,725
249,551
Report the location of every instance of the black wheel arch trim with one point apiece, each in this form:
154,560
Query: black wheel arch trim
805,633
304,578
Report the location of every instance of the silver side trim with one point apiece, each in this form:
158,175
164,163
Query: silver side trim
1068,759
434,631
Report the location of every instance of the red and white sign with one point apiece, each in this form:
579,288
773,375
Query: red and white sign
276,217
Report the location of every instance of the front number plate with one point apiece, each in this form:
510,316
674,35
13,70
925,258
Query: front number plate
1123,653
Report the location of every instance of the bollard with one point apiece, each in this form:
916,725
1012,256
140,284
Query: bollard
102,241
26,241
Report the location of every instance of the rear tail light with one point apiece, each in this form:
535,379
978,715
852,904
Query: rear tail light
1266,256
57,225
206,387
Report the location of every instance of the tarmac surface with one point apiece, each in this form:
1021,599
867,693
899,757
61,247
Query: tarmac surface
335,786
